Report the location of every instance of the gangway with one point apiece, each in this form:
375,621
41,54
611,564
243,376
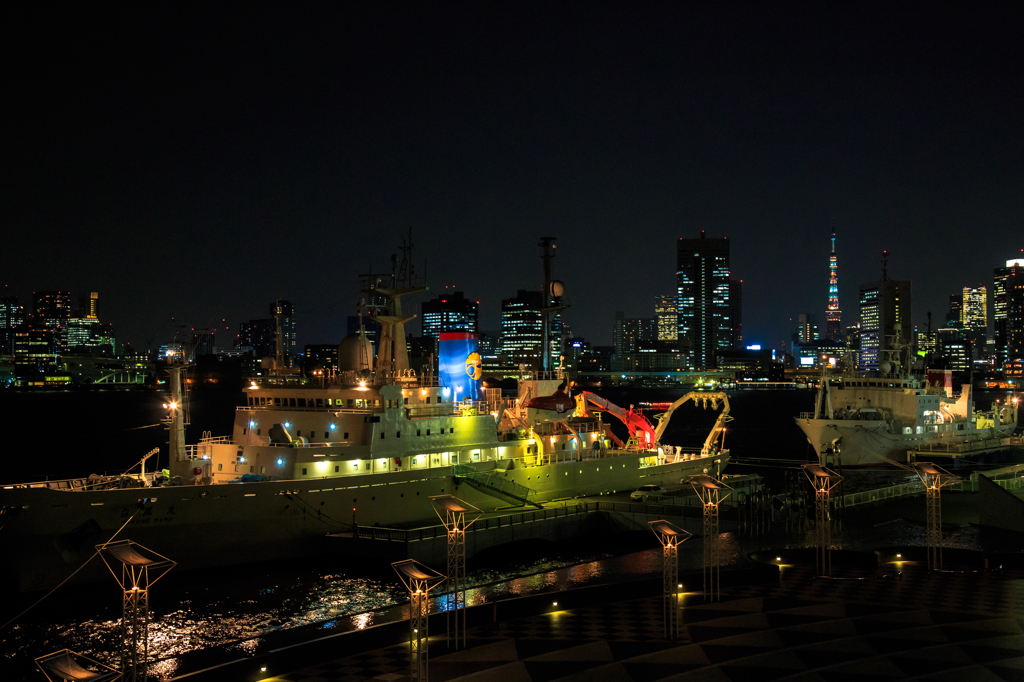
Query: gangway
495,486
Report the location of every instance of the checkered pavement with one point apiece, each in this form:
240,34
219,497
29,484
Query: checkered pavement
936,627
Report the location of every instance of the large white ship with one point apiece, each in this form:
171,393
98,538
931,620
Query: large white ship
864,420
318,460
308,457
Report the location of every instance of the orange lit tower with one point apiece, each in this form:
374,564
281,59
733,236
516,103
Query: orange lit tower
833,326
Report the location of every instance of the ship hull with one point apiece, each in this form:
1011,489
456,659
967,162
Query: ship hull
48,534
864,443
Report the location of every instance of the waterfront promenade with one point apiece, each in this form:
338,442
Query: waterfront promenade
899,622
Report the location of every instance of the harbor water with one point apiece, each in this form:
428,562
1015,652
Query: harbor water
231,609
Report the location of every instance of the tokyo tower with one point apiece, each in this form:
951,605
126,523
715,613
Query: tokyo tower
833,328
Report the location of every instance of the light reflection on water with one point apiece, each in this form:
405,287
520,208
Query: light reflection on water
186,618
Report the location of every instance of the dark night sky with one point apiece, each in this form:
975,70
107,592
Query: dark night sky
198,164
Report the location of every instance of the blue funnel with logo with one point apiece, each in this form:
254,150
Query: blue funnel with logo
459,364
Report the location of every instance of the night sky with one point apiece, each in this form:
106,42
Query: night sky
200,163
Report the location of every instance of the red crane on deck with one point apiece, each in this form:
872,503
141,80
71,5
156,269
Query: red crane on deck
640,427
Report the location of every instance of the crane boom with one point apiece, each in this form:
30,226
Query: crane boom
717,431
634,420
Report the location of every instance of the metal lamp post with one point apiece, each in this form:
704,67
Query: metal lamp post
140,568
710,490
670,536
452,512
933,478
419,580
823,481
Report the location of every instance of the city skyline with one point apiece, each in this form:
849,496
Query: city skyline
216,165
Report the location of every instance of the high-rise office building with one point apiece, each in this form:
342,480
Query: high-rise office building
885,308
51,310
955,316
522,329
34,350
702,282
629,334
449,312
258,336
975,308
1003,281
833,316
12,316
806,328
736,312
320,358
953,349
1015,321
89,306
666,315
282,319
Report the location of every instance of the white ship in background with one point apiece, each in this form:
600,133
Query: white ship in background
864,420
310,457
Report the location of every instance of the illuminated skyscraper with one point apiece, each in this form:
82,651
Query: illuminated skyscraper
258,336
975,309
89,306
806,329
736,312
975,316
702,282
955,317
522,330
666,315
1003,282
884,310
282,319
51,310
449,312
12,316
833,324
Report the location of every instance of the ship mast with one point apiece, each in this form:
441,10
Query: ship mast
177,414
392,357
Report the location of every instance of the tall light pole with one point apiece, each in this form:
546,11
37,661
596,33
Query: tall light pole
823,481
670,536
710,490
140,568
933,478
452,512
419,580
